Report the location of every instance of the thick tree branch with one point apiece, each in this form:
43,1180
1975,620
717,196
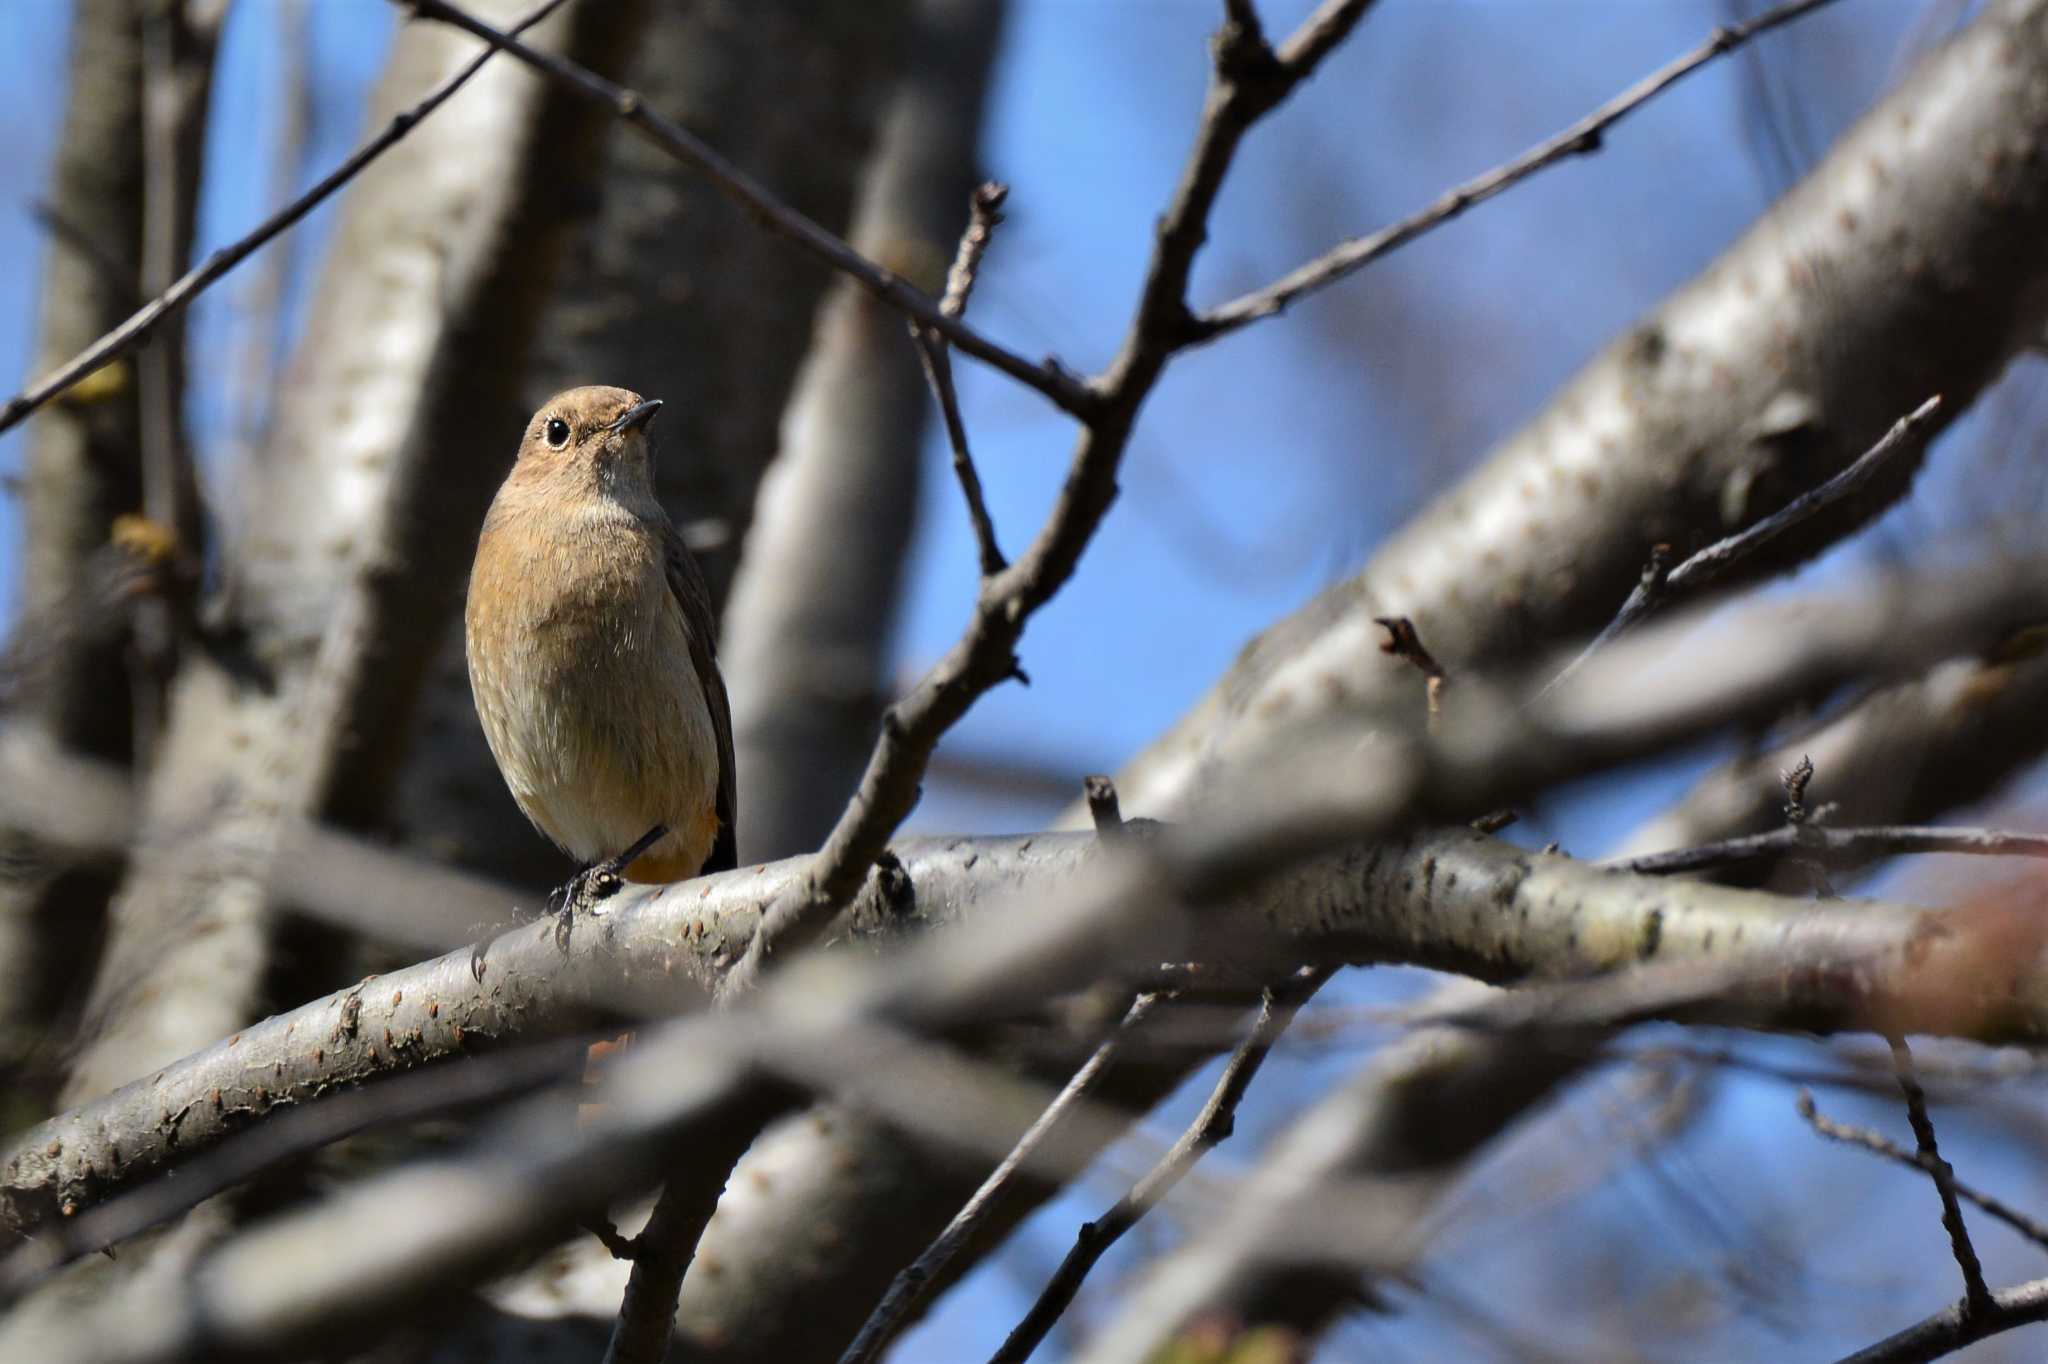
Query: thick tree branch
1741,390
1979,972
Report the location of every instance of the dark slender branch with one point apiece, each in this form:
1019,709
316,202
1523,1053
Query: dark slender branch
1581,138
1063,389
1976,1297
666,1246
138,328
1958,1325
1870,1140
1658,589
1246,83
985,212
1211,1127
1245,14
1838,847
915,1283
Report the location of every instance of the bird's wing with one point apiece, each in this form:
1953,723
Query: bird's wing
686,584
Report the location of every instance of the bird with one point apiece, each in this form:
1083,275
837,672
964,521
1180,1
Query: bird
589,638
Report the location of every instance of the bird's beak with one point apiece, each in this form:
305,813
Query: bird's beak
638,415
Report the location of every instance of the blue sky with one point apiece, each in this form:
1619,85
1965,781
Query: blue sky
1265,465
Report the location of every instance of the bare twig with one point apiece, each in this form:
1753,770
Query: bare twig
916,1282
1658,589
1838,847
1795,779
2029,1227
1580,138
985,212
663,1251
138,328
1957,1325
1402,641
1211,1127
1068,393
1976,1297
1246,83
1103,807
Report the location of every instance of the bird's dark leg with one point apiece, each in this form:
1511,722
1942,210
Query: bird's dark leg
595,884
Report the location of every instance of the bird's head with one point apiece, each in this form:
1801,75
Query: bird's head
595,437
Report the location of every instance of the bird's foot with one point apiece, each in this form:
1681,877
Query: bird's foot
591,887
582,894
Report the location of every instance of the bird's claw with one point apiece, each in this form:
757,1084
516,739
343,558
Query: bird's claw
582,892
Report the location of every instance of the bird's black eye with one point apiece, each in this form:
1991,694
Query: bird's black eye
557,432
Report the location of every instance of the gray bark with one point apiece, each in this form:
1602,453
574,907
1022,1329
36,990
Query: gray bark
1908,263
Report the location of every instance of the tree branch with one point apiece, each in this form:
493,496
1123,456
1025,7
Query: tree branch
1839,847
139,327
1581,138
917,1280
1761,380
1244,86
1211,1127
1657,589
985,212
2031,1228
1976,1296
1958,1325
1048,378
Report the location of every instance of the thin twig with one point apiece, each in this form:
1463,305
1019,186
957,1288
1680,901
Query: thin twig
1870,1140
1839,847
1065,391
1246,83
984,215
1976,1297
1212,1126
1402,641
1658,589
1103,807
146,319
916,1282
985,212
1581,138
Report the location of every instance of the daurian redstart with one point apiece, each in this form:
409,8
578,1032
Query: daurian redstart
589,635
